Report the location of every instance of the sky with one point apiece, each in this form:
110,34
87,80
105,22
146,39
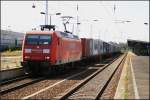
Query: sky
21,17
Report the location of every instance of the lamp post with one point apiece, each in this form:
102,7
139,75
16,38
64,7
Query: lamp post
46,11
51,16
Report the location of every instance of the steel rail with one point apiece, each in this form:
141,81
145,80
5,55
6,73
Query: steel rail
105,86
14,80
18,86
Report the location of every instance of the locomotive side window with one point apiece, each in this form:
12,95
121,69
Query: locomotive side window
38,39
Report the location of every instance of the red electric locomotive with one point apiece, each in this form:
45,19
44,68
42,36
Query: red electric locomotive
43,49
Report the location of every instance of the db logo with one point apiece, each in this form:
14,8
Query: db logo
37,47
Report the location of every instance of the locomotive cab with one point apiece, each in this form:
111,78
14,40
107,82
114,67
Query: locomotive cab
36,49
37,44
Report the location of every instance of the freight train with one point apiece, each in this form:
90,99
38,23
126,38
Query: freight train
42,49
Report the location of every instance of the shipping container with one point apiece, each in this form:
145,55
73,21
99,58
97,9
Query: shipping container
100,51
85,47
95,47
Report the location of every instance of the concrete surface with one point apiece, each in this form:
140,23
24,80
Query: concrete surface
121,88
11,73
134,80
10,62
140,66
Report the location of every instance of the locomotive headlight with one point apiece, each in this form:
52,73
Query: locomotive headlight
46,51
47,57
27,50
27,57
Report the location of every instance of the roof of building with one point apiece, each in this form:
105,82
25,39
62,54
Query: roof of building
138,43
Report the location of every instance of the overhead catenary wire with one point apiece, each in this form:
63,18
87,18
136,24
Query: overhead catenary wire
108,24
114,17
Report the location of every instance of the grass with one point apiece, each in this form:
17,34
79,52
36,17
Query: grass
126,93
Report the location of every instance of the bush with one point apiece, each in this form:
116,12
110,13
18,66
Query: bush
14,48
11,49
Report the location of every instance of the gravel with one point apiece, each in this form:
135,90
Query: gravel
25,91
91,89
110,90
5,86
49,94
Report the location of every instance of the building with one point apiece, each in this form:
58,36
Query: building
139,47
10,39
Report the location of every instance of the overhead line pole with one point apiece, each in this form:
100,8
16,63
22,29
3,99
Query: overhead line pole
77,21
46,13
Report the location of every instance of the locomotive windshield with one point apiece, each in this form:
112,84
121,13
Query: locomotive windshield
38,39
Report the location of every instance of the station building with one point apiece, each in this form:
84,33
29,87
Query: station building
139,47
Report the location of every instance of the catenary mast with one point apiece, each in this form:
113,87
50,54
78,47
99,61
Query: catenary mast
46,12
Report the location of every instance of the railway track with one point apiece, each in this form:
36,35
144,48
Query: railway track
14,79
93,86
18,83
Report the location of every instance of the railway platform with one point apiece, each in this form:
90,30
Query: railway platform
134,81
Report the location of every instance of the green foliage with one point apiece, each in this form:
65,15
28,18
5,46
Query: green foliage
12,49
15,48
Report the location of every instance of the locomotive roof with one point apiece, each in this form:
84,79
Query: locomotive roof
39,32
66,35
59,33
